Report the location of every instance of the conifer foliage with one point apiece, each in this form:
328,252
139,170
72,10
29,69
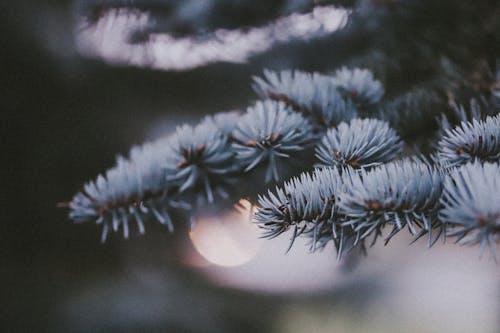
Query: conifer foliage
360,186
363,166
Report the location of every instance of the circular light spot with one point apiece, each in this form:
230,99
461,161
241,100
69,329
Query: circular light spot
227,240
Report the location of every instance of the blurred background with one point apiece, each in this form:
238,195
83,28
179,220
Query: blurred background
75,93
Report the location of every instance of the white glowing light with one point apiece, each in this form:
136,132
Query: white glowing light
108,39
234,256
228,240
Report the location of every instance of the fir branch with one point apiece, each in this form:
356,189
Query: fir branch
399,194
312,94
471,141
135,189
146,185
361,143
351,197
358,189
308,205
359,86
348,207
201,159
471,204
267,133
